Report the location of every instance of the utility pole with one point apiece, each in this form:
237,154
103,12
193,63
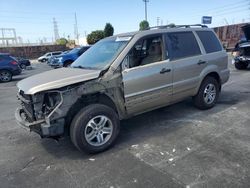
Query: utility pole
76,30
146,12
157,21
56,32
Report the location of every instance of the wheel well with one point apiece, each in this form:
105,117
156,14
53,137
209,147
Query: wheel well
216,76
6,70
86,100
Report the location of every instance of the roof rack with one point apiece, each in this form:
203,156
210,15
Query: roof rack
176,26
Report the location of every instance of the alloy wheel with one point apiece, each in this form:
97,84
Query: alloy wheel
209,94
98,130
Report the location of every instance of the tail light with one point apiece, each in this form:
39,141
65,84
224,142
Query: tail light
13,63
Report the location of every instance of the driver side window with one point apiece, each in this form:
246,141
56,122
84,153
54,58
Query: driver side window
145,51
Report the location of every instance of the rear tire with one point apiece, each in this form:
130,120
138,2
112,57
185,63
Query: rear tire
240,65
23,66
5,76
208,94
94,128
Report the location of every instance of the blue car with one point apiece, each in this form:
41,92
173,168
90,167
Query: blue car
66,59
8,67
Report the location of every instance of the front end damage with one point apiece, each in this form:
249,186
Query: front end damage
44,112
243,55
48,113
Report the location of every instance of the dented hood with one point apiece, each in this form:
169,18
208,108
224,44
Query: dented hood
56,79
246,30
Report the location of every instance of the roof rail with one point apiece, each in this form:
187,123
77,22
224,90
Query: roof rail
176,26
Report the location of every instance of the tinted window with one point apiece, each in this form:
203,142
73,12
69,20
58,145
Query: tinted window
56,53
82,50
5,57
209,41
181,45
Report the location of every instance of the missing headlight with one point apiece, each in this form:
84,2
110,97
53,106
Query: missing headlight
51,100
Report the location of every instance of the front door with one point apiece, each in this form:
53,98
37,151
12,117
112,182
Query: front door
148,78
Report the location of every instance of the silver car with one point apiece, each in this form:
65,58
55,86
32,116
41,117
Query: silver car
122,76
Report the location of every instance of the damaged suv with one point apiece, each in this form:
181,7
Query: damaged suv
122,76
241,59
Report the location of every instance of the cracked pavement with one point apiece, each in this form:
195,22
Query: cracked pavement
175,146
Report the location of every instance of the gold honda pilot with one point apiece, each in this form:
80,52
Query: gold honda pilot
120,77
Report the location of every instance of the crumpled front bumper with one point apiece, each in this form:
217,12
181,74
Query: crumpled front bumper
21,121
40,127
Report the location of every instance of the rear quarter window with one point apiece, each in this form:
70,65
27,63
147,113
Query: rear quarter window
182,45
209,41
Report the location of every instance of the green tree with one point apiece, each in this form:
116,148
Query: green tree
144,25
95,36
61,41
171,25
108,30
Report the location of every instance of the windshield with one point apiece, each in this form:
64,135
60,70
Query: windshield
101,54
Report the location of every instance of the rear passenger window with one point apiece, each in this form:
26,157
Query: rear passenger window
182,45
209,41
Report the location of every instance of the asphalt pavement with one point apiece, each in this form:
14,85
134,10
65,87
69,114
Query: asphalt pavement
175,146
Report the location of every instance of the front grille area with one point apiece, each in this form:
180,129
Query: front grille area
27,106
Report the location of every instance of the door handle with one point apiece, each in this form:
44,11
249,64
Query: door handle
164,70
200,62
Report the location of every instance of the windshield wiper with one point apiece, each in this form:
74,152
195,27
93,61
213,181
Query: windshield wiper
82,67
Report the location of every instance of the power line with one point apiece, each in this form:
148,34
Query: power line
241,3
224,8
35,13
225,12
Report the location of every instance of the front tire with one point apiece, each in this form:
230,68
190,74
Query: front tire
240,65
94,128
5,76
208,94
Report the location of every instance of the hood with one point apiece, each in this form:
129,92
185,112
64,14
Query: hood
55,79
246,30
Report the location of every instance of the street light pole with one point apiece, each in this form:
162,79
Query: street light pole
146,16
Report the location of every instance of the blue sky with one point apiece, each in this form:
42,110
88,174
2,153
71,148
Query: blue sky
33,19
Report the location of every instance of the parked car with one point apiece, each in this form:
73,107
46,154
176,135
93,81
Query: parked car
8,67
66,59
52,58
46,56
23,63
242,51
122,76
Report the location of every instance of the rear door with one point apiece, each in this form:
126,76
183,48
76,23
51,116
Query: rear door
214,55
147,79
186,56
